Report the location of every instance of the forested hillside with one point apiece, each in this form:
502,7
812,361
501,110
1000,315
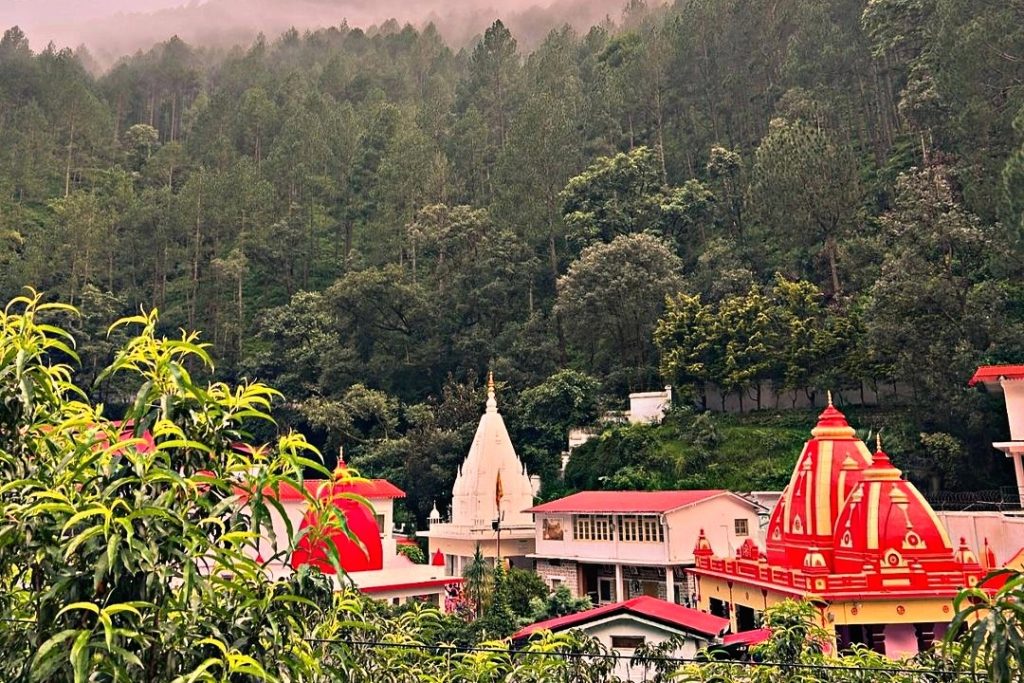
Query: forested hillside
728,191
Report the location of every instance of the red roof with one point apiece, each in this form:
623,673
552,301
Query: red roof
614,502
667,613
368,488
758,635
992,373
429,583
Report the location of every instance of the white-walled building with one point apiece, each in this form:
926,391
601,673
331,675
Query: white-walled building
616,545
492,484
624,626
1009,381
649,407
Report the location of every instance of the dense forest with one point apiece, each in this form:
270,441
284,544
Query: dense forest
819,195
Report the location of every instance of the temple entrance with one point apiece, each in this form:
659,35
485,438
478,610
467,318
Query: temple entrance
746,618
871,636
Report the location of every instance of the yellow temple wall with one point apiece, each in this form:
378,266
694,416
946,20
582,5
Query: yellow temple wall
866,610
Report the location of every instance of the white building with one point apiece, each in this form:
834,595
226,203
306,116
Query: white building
624,626
649,407
616,545
1009,381
492,484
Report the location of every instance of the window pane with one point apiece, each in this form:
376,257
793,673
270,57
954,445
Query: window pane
627,642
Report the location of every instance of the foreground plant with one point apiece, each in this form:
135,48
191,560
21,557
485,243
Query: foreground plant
125,552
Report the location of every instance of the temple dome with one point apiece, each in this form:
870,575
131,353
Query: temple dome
887,524
828,469
365,551
365,555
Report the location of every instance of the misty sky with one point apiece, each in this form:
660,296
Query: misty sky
46,12
113,28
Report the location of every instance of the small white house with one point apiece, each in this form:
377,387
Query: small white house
624,626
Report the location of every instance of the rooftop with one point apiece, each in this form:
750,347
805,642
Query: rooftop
367,488
617,502
991,374
653,609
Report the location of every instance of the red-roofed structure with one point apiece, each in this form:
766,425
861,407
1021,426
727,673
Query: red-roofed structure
990,375
1009,381
747,638
323,488
623,502
855,537
667,613
624,626
615,545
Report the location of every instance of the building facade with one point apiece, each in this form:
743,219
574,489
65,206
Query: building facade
617,545
855,538
372,564
622,627
1008,380
489,500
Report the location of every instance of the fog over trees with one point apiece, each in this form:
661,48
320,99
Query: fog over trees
110,29
714,192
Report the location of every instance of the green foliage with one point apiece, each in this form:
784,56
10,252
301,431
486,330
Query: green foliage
523,587
988,627
789,336
794,652
479,581
126,561
558,603
498,620
702,451
413,552
395,208
613,295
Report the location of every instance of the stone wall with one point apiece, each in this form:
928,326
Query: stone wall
566,571
774,398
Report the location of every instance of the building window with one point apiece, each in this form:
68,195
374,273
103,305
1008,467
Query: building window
555,583
629,529
651,531
627,642
593,528
582,528
741,527
380,522
604,590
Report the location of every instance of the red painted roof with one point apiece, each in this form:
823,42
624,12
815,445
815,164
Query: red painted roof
758,635
613,502
429,583
368,488
663,612
992,373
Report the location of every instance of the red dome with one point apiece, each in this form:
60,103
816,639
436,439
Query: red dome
311,548
827,470
887,525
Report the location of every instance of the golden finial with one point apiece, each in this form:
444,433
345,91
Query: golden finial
878,441
490,380
828,392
